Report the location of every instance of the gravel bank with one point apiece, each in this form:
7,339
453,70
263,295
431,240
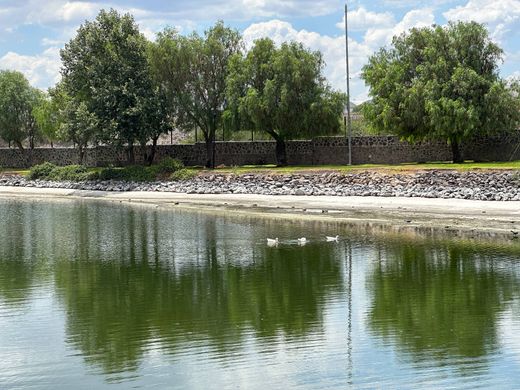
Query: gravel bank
486,185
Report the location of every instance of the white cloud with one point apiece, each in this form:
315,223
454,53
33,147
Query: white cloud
53,12
501,16
57,11
361,19
41,70
52,42
377,37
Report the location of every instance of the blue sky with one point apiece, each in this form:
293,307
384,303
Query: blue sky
33,31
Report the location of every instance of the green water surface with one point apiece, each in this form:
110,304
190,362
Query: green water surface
96,295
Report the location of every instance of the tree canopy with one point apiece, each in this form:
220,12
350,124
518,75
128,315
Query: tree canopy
17,101
106,68
281,90
440,83
193,70
47,116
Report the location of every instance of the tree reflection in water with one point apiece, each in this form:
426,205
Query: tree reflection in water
440,303
136,281
139,278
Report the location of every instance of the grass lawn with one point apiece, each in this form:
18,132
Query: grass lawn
398,168
467,166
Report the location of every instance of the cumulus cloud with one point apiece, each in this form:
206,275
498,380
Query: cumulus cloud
15,13
501,16
58,11
41,70
361,19
377,37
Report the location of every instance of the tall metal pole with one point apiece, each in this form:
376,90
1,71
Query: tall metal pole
349,121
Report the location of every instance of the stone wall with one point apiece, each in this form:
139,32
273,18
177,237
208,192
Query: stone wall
319,151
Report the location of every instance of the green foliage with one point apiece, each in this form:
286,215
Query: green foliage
440,83
183,174
41,171
169,165
135,173
17,101
193,71
282,91
47,116
79,126
105,67
72,173
49,171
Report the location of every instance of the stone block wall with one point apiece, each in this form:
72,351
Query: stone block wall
319,151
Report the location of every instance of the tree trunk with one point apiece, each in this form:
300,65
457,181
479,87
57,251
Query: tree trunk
153,149
281,152
130,154
456,152
210,153
19,144
81,153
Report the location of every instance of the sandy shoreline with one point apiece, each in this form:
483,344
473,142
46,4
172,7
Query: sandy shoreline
441,213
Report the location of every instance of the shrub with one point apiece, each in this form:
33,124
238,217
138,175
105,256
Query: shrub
183,174
130,173
111,174
72,173
169,165
41,171
48,171
138,173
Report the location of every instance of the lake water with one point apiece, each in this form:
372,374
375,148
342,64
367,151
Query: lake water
96,295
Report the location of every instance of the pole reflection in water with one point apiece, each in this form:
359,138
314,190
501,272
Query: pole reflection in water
350,362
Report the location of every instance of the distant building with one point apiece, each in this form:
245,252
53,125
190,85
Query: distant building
355,115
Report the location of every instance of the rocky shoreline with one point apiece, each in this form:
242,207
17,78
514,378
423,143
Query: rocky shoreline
484,185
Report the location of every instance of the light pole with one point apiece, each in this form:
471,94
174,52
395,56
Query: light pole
349,122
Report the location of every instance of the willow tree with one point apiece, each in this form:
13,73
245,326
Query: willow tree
193,70
440,83
281,90
47,116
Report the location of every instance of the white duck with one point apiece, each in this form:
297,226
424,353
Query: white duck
302,241
331,239
272,241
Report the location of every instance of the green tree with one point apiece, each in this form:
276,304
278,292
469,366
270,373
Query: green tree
106,67
158,120
159,113
17,101
79,126
282,91
440,83
193,69
47,116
